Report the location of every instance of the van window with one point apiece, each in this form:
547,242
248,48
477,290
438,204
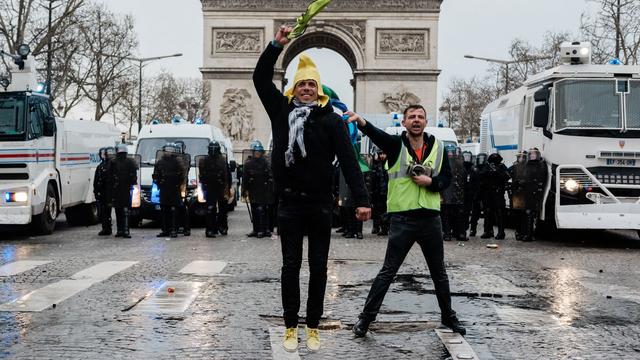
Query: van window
36,118
528,111
147,148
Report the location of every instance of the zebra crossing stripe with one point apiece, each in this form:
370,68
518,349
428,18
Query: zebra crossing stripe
277,350
57,292
17,267
204,268
173,297
458,347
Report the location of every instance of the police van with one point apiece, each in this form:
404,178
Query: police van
585,119
47,164
196,137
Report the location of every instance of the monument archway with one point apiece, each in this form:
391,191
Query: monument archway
391,46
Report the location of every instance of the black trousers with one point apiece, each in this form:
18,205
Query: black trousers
183,216
217,215
295,218
169,218
122,220
476,211
405,231
260,218
453,220
493,216
380,216
104,214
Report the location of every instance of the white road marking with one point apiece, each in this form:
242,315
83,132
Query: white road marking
533,318
458,347
485,283
278,352
57,292
204,268
172,297
20,266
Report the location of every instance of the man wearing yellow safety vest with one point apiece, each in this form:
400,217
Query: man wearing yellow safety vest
418,171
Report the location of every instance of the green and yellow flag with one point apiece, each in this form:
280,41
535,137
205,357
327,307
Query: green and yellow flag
303,20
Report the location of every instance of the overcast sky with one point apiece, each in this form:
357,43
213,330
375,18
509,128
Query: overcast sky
479,27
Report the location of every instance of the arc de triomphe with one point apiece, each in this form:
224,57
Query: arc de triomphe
391,45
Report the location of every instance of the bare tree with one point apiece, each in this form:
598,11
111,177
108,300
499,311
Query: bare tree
110,38
187,98
463,104
614,31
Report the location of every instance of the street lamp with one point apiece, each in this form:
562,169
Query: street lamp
141,62
506,63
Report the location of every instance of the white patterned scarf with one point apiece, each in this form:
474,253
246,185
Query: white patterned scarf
297,117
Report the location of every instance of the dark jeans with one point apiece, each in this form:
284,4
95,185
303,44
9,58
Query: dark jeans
405,231
295,218
104,214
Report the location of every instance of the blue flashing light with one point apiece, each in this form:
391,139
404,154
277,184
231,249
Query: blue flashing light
7,197
41,87
395,116
155,122
199,121
615,61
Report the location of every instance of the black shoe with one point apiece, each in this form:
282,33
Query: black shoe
173,235
446,238
187,233
486,236
341,230
462,238
104,233
260,235
163,234
252,234
453,323
527,238
383,233
223,232
472,233
210,234
375,230
500,236
359,236
126,236
119,234
361,327
349,235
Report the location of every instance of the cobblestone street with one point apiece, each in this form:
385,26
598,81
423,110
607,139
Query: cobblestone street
576,297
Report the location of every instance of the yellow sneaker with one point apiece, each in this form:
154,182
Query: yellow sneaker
290,343
313,339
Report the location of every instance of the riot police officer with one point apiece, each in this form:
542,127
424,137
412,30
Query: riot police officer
214,175
183,208
169,174
124,172
453,199
476,197
102,189
467,162
517,191
493,182
257,187
536,180
380,187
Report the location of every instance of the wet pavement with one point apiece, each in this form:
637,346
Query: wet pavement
73,295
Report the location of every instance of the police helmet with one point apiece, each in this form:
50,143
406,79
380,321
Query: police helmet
257,146
495,158
481,159
182,145
467,156
171,148
534,154
214,147
521,156
121,148
102,153
450,149
110,151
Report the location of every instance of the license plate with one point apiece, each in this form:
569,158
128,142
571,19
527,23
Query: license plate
621,162
157,207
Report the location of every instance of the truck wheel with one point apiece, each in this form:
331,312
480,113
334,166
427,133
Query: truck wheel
45,223
91,213
82,215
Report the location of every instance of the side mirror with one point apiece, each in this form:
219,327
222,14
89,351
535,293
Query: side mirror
232,165
49,126
541,116
542,95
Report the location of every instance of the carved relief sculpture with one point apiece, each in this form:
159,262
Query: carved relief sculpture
403,42
235,116
237,41
344,5
396,103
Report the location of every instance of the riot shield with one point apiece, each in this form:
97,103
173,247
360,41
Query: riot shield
212,175
257,178
170,176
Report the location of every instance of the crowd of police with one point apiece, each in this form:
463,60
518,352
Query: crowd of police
477,189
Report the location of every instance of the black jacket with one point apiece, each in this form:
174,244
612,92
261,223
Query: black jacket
392,145
325,137
257,182
125,174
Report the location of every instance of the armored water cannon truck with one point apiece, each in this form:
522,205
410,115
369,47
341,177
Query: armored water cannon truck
47,163
585,119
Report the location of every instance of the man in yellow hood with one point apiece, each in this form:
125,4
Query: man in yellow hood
307,137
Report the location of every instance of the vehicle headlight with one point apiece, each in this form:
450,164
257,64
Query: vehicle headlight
135,197
571,186
200,193
16,197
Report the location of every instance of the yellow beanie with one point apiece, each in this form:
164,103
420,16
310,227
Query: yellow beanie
307,70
